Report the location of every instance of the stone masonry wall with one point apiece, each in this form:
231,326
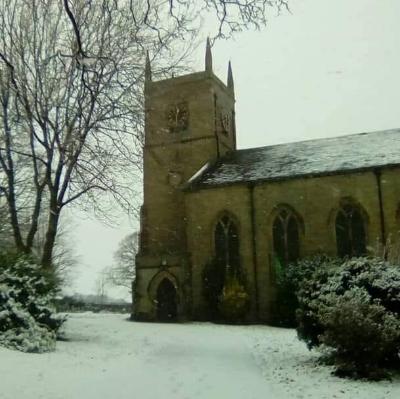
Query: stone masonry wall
315,200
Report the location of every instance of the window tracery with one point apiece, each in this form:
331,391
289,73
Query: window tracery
350,231
226,239
286,240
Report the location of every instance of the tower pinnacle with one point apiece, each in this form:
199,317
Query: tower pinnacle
147,70
208,56
230,83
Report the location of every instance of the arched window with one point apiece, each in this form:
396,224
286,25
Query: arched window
285,233
226,240
350,232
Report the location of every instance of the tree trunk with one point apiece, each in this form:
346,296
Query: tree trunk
19,243
7,165
35,218
47,255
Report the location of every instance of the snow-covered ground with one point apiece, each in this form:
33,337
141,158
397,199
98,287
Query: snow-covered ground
109,357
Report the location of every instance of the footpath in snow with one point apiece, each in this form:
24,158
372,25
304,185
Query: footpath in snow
107,356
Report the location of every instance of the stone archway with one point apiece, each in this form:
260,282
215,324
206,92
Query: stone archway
166,299
164,293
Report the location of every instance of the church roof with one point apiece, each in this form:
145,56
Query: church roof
309,158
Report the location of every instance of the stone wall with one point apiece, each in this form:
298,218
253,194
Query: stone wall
316,202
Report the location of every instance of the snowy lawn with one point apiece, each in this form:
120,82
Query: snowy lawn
109,357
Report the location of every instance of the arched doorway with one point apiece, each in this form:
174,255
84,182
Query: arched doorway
166,301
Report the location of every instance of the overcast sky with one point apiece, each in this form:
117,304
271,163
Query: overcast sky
331,67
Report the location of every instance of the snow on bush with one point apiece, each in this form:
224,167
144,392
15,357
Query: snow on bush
288,281
27,318
353,310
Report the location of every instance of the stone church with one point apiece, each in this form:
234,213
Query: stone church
204,199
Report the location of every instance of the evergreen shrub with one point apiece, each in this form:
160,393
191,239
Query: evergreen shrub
353,310
27,317
213,278
225,293
288,280
285,303
234,300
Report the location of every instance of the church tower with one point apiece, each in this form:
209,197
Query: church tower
189,122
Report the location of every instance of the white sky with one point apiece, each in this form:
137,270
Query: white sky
331,67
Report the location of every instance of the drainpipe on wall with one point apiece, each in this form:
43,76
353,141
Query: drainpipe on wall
254,245
378,174
216,126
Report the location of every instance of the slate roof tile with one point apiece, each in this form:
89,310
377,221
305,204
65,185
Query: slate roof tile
305,158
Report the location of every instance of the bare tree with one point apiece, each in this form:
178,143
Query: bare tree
65,258
225,17
123,272
71,108
71,77
101,287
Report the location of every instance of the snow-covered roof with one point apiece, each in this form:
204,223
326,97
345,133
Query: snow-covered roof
199,172
305,158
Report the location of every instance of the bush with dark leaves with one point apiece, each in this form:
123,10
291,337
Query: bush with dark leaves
234,301
354,311
289,280
213,278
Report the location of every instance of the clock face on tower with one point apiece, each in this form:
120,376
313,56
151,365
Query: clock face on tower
174,178
178,117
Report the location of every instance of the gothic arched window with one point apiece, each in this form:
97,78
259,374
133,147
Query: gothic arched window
285,233
226,240
350,232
